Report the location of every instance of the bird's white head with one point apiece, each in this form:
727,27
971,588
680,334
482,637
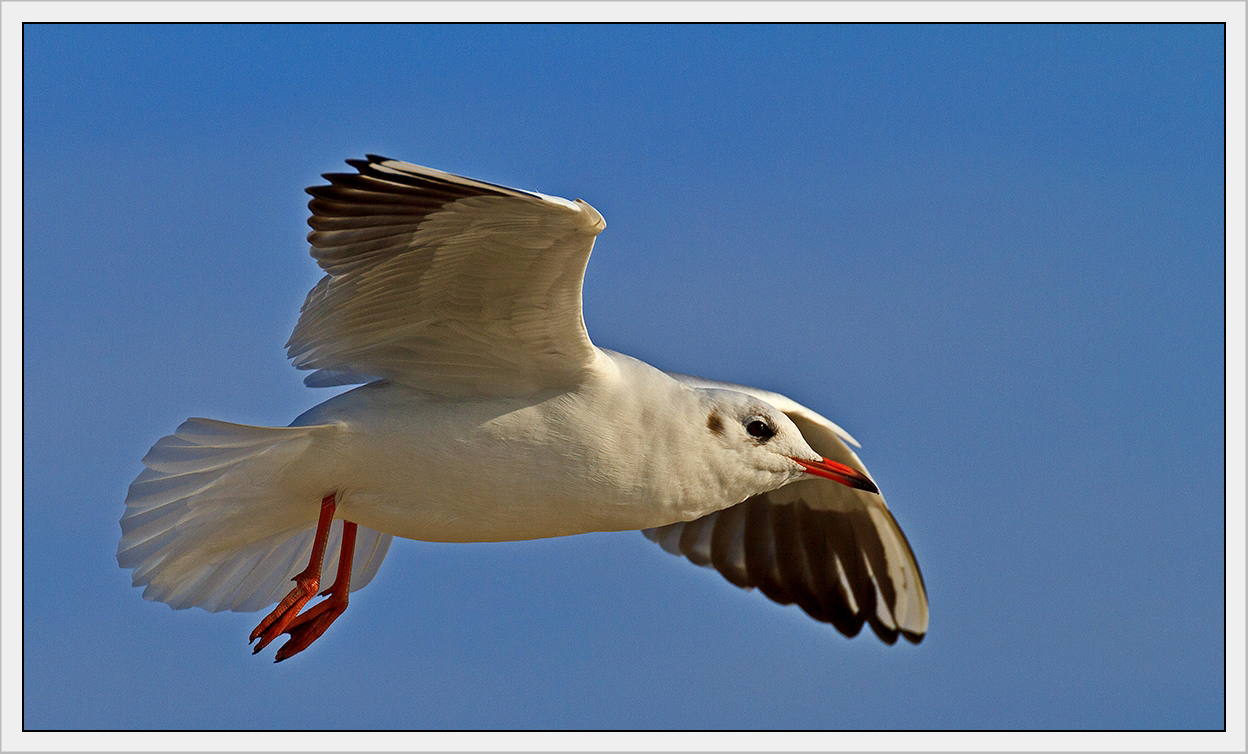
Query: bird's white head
762,449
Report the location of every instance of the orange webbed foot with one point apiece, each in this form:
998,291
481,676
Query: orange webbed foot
276,622
308,627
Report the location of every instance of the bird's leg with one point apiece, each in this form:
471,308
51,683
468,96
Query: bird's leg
307,583
308,627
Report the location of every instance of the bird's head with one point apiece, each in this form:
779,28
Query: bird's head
760,449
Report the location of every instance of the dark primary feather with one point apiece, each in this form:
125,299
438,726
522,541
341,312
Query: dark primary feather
361,216
794,554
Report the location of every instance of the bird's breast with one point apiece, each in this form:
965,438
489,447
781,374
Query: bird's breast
500,469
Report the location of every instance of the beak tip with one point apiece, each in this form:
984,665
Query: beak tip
866,484
840,473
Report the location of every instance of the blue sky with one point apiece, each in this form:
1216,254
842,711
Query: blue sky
994,254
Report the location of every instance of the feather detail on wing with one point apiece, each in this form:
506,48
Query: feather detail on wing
443,282
836,552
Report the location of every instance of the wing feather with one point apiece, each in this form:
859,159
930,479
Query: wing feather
444,282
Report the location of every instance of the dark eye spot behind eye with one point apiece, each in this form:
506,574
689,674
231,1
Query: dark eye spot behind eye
760,430
715,423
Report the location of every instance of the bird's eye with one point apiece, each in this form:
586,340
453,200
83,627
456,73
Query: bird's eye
760,430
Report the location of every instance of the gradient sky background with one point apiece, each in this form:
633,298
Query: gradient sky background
993,254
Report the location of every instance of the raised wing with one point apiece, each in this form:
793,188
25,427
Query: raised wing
837,552
443,282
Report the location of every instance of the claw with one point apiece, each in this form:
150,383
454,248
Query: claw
275,624
308,627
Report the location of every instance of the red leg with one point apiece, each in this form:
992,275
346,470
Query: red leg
307,583
308,627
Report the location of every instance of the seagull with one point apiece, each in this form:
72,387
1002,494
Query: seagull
484,413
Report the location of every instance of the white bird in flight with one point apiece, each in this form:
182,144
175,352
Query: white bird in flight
486,414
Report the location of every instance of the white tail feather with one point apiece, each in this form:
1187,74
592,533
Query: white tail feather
215,522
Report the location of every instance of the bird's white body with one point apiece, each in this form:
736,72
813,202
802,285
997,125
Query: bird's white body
486,414
477,470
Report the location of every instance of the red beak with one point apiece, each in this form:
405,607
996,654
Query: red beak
839,472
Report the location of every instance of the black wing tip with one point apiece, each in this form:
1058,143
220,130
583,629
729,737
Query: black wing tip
850,626
890,635
840,618
884,633
361,166
329,190
374,183
422,178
